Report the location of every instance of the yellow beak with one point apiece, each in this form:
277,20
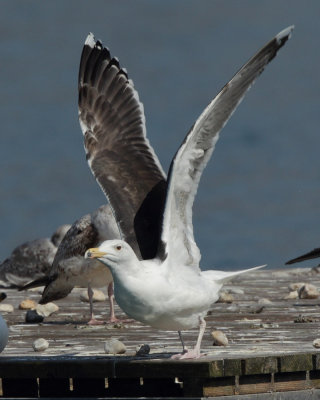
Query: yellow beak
94,253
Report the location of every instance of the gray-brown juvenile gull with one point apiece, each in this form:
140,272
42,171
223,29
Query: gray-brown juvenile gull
31,260
169,291
69,267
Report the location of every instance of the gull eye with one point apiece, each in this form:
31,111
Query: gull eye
118,247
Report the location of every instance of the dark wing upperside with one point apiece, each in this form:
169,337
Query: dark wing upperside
82,235
315,253
118,152
177,238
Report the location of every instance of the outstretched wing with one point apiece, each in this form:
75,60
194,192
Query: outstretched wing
315,253
118,152
177,239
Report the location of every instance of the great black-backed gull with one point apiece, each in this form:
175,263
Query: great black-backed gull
168,290
31,260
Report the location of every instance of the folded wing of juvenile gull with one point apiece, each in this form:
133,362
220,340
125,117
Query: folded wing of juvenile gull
31,260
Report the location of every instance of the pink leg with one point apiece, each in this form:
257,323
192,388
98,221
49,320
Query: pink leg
92,321
194,353
113,319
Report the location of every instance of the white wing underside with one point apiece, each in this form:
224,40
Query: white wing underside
195,152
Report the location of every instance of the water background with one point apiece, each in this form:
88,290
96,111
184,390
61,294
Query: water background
259,198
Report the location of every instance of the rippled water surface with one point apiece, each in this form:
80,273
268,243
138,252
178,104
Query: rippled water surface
259,199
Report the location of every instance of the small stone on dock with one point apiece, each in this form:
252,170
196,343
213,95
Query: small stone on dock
316,343
47,309
8,308
114,346
256,309
3,296
33,317
219,338
308,291
292,295
144,350
27,304
40,344
295,286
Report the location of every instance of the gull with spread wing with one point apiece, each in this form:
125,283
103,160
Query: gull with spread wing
166,288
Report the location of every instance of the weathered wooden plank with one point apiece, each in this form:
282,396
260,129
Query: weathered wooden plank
291,381
272,331
260,365
271,342
219,387
296,362
314,377
232,367
260,383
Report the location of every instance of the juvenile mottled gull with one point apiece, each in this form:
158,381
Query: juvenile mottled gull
31,260
70,268
168,291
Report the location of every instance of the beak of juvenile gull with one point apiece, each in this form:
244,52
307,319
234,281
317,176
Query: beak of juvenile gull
94,253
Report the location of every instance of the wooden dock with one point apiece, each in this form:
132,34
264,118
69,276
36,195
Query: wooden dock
270,348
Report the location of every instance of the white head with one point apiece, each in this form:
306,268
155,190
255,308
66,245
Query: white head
113,253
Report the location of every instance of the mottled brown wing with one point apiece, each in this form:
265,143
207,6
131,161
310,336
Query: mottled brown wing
118,152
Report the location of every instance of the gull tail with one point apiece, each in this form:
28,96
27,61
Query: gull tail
225,276
315,253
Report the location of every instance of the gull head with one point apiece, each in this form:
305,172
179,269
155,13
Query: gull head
112,253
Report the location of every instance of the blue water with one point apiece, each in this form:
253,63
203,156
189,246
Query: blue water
259,199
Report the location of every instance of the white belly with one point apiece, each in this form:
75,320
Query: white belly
164,304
